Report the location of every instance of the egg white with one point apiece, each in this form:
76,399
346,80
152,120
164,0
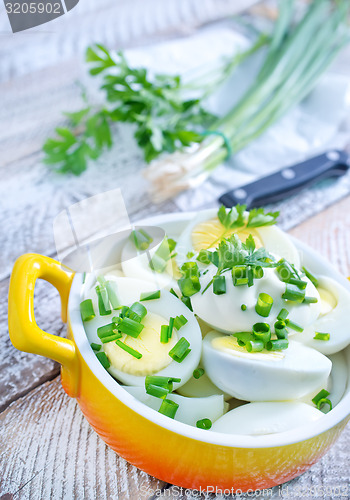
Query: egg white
263,418
224,313
129,291
264,376
201,387
333,321
190,410
272,238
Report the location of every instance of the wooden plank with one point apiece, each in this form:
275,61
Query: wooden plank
49,450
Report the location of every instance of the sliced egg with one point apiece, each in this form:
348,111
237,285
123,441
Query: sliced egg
190,410
263,376
258,419
155,358
224,313
334,309
201,387
206,231
140,267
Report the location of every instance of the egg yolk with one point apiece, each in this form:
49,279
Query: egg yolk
229,344
208,234
328,301
155,354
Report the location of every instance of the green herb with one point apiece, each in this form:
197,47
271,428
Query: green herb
258,218
106,330
219,285
102,357
180,350
164,338
150,295
189,255
243,307
141,239
87,310
103,301
163,254
254,346
179,322
157,380
112,292
168,408
137,312
157,391
95,347
187,302
189,282
277,345
262,332
321,399
106,339
198,373
310,276
174,293
322,336
233,218
294,326
129,349
130,327
170,327
282,315
280,329
264,304
204,423
310,300
293,293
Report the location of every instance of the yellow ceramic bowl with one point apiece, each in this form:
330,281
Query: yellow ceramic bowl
167,449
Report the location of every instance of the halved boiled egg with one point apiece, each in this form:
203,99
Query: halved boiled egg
201,387
224,313
263,376
334,308
155,358
258,419
190,410
205,231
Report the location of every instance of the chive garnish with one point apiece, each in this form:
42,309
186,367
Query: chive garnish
189,282
250,276
103,302
166,382
162,255
324,401
310,276
285,271
198,373
164,334
262,332
294,326
310,300
322,336
243,307
277,345
239,272
129,349
137,312
170,327
258,272
87,310
102,357
116,336
240,281
280,329
180,350
141,239
168,408
157,391
204,423
243,338
130,327
254,346
219,285
173,292
321,399
189,255
264,304
298,282
187,302
84,277
112,289
95,347
179,322
282,315
293,293
150,295
106,330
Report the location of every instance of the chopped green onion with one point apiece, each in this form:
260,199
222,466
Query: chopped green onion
264,304
277,345
187,302
240,281
311,277
179,322
103,301
254,346
84,277
258,272
166,382
123,312
168,408
285,271
150,295
322,336
293,293
310,300
250,276
322,394
102,357
323,402
282,315
198,373
294,326
130,327
106,330
164,334
204,257
173,292
280,329
170,327
129,349
205,423
189,282
87,310
239,272
262,332
141,239
298,282
243,307
189,255
219,285
243,338
112,289
180,350
162,255
137,312
116,336
95,347
157,391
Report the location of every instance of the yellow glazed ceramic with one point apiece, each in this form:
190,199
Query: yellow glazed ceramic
170,450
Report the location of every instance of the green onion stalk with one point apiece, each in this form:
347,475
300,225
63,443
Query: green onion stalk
298,54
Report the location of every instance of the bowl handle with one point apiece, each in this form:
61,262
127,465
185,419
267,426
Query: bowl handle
25,334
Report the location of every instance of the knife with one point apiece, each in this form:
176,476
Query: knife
289,180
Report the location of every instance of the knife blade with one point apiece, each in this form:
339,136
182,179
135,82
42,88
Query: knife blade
289,180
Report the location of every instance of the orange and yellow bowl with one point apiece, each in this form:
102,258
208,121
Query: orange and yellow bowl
169,450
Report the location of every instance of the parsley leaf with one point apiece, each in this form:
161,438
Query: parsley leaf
257,218
232,219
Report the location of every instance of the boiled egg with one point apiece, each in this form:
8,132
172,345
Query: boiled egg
224,313
205,231
263,376
258,419
140,266
201,387
155,358
190,410
334,309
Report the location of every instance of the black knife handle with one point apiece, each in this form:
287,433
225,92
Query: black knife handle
287,181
